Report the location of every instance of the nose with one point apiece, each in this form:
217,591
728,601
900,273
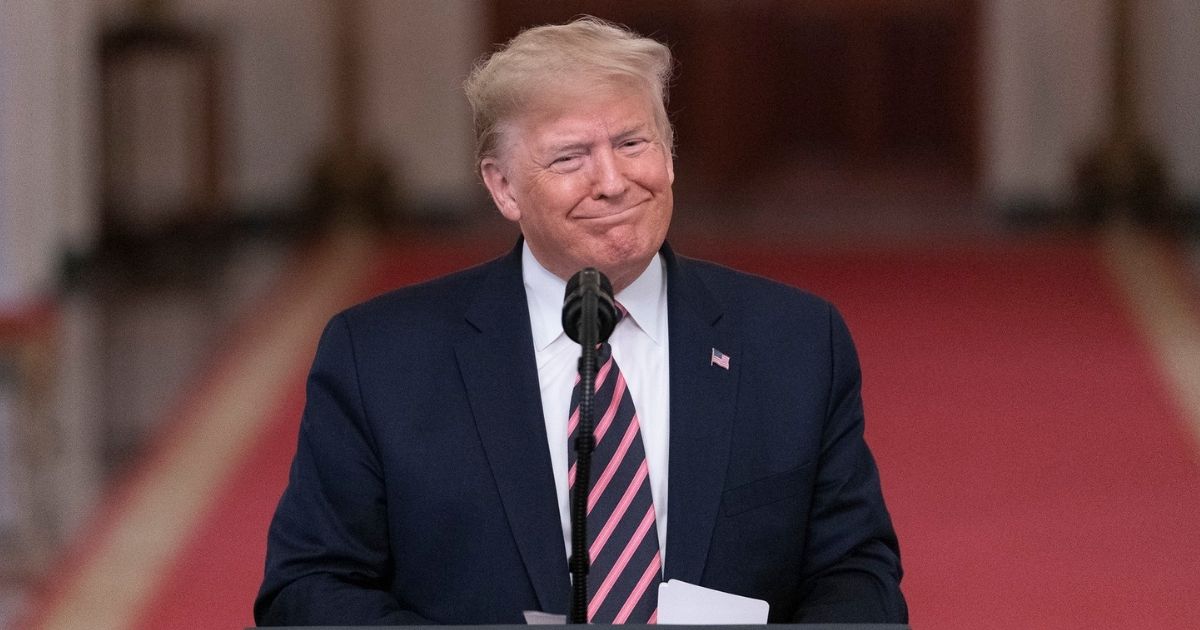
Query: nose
608,178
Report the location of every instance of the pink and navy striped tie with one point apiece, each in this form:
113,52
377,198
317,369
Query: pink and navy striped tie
626,566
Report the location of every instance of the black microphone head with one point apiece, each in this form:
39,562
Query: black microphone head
589,280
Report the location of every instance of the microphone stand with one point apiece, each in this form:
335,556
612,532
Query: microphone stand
584,443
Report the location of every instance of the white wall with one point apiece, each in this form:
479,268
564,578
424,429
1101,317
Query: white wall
1169,71
1046,91
1045,97
419,53
279,61
277,64
47,165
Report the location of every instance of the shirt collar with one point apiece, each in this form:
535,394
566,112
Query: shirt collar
645,300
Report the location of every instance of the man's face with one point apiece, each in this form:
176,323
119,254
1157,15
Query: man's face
589,181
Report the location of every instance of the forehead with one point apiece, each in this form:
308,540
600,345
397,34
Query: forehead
575,117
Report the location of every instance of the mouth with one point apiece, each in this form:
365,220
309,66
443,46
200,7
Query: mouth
613,216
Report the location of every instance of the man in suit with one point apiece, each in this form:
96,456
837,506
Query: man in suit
432,474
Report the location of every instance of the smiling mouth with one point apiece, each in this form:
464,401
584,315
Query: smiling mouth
613,215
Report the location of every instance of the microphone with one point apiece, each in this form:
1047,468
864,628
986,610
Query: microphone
586,283
589,316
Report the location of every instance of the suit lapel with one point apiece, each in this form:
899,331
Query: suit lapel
703,397
500,374
501,378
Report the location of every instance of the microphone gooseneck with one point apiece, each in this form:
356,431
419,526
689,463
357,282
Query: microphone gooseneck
589,316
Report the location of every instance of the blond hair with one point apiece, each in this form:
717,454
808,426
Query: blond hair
539,61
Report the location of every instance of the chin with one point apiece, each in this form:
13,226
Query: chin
625,264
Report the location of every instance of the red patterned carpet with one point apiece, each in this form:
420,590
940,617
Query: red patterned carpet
1038,468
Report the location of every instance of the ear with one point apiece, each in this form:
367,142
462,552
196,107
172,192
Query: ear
670,167
500,188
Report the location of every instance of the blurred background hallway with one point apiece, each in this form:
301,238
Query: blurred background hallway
1002,196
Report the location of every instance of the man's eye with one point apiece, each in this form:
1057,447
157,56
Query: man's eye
566,163
633,143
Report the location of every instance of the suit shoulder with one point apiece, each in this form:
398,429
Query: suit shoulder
774,316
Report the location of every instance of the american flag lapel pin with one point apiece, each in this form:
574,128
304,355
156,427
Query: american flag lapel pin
719,359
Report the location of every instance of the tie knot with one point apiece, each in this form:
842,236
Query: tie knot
621,312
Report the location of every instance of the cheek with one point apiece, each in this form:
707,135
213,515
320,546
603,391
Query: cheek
553,199
657,174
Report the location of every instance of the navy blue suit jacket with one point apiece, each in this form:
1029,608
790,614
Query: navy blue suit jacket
422,489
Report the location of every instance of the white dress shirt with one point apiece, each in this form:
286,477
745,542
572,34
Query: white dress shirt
639,346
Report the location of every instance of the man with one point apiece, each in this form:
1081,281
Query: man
432,475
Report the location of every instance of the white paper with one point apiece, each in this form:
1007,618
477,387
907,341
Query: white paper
539,618
688,604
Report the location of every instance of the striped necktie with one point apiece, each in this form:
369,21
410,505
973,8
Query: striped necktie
626,566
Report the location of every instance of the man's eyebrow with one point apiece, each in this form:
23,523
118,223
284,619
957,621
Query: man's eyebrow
567,145
634,130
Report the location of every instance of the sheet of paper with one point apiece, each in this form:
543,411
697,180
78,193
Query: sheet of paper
688,604
538,618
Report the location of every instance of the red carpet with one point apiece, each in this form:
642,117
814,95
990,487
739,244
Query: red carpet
216,577
1038,473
